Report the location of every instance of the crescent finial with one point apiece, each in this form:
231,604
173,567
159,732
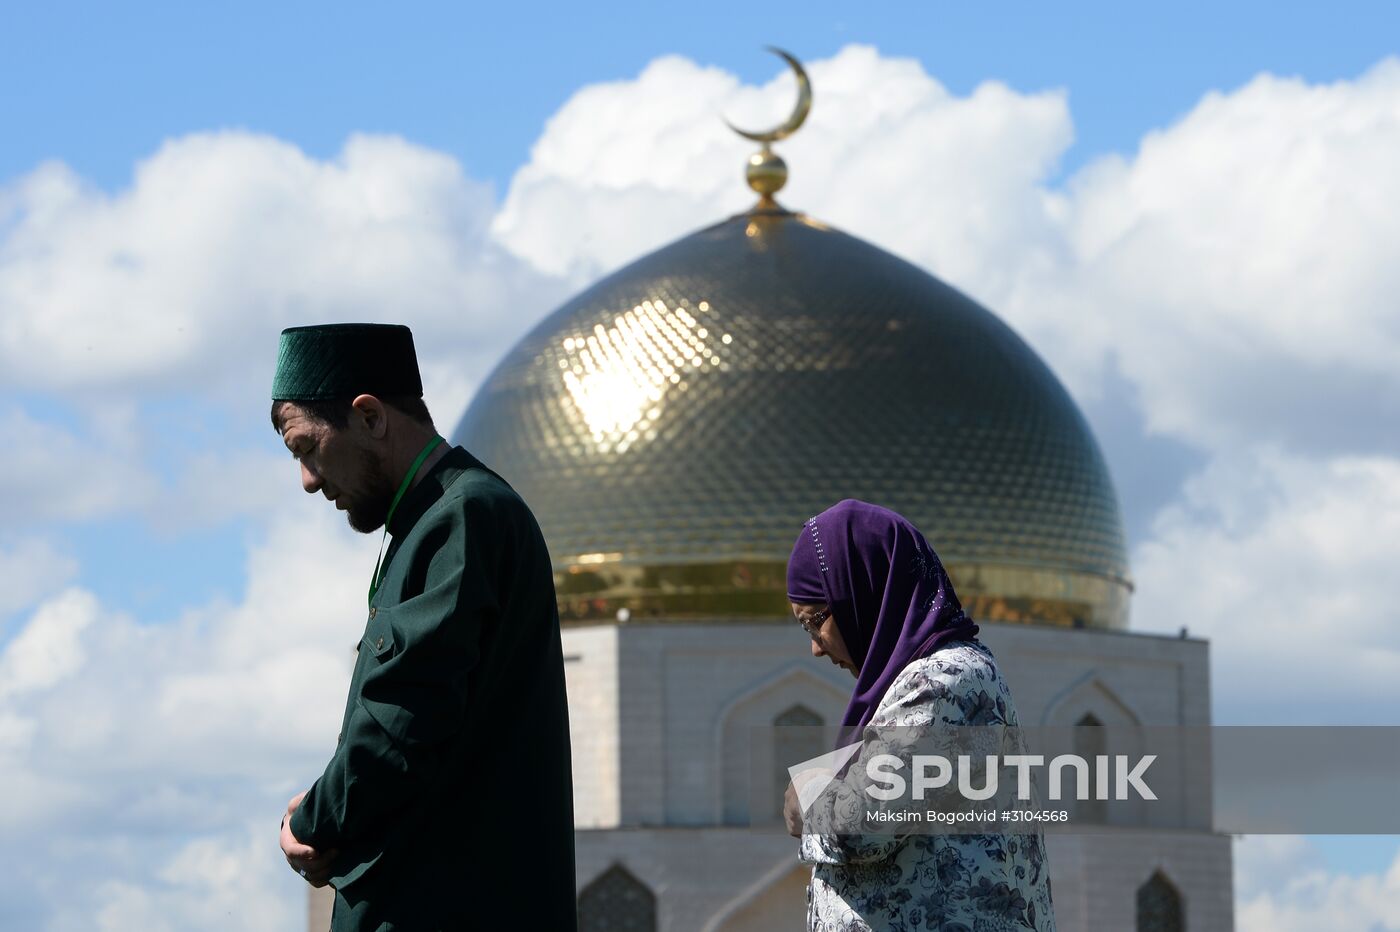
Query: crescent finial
766,171
799,112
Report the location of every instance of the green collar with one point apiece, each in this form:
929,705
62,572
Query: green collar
403,487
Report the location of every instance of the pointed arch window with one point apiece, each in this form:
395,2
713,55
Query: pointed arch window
617,902
1089,743
1159,905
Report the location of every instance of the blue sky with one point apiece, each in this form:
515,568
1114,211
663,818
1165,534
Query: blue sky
98,86
1165,222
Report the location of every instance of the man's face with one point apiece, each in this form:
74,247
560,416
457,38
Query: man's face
340,464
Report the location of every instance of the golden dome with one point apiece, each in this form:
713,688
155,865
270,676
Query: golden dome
674,424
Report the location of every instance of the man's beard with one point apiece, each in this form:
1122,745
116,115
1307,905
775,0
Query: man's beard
369,509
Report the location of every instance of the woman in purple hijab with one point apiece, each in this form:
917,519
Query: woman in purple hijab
875,599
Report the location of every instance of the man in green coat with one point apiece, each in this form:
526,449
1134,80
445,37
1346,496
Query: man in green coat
448,801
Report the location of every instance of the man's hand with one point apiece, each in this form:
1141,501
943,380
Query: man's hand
314,865
792,812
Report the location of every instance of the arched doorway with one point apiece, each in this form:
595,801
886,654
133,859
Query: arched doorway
1159,906
616,902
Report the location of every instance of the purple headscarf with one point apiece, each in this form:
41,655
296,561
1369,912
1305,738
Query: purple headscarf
887,589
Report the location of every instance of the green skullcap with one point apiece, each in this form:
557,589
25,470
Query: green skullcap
344,360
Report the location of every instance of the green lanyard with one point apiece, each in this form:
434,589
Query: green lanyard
403,487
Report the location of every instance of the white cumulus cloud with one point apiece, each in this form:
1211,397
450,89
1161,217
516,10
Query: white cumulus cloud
182,281
118,304
32,568
1286,564
226,881
49,649
887,152
1284,887
120,740
52,472
1239,266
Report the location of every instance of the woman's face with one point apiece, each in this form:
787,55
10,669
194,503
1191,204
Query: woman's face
827,642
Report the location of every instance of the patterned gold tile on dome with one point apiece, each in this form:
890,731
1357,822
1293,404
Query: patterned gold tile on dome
686,414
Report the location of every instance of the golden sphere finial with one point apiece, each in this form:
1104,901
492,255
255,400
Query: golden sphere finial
766,171
766,174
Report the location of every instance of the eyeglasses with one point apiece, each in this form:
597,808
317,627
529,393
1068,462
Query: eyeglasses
813,622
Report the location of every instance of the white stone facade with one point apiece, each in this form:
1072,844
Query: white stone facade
660,714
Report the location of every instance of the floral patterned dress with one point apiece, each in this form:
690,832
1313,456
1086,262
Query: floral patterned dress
945,883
